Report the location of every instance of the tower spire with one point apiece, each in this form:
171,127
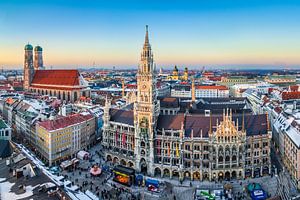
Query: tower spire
146,36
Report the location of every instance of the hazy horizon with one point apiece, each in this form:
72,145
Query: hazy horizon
246,34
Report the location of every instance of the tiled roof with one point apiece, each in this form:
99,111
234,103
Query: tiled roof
294,88
254,124
290,95
170,122
121,116
62,122
56,77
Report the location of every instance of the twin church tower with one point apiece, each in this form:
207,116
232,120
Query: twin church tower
30,64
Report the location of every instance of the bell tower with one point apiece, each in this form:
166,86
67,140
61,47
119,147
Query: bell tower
146,110
28,66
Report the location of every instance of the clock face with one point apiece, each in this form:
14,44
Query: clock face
144,86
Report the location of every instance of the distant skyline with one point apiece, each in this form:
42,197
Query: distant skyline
227,33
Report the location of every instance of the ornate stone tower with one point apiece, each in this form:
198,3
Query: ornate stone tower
146,111
228,142
28,66
38,58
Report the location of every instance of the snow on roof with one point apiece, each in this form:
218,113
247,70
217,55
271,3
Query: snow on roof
294,135
73,195
7,194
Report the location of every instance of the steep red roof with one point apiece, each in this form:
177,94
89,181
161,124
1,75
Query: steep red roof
290,95
62,122
56,77
294,88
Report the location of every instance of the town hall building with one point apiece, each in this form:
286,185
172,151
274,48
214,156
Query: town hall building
233,144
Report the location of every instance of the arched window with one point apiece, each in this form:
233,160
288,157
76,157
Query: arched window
227,159
220,159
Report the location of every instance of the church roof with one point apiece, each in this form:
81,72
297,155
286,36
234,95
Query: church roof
56,77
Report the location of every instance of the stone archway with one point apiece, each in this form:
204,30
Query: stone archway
187,174
227,175
108,158
205,176
175,174
233,175
220,176
130,164
143,165
157,172
196,176
248,173
265,170
123,162
166,173
116,160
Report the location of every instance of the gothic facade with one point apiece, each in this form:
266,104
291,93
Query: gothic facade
185,145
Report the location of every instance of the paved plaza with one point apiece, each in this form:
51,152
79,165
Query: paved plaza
171,189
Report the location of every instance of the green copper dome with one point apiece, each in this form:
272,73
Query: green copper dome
38,48
28,47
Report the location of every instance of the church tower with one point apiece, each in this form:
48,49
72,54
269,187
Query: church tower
38,58
28,66
146,110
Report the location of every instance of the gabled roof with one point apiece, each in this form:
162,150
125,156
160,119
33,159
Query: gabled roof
56,77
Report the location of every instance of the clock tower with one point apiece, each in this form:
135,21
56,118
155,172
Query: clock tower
146,110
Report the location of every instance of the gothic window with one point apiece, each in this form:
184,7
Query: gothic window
233,158
220,158
143,144
227,158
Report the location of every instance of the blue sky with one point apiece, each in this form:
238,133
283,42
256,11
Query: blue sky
213,33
